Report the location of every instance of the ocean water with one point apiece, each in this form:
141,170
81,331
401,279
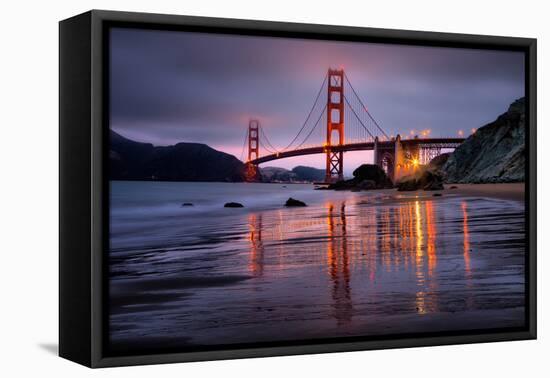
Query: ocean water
348,264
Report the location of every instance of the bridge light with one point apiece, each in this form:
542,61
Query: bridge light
474,130
460,133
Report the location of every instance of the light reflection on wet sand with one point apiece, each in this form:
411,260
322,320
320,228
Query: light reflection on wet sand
356,265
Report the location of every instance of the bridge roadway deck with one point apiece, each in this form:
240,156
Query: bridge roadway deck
364,146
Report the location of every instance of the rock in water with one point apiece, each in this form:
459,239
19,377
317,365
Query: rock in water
494,153
186,204
233,204
294,202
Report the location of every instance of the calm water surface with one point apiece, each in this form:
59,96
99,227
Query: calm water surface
349,264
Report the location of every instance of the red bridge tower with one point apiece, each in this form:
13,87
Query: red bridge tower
335,122
253,150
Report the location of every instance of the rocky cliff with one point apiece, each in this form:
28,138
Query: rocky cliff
130,160
494,153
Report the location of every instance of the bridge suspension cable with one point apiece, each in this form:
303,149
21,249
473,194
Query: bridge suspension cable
310,113
244,144
269,146
368,130
323,112
364,107
359,119
267,141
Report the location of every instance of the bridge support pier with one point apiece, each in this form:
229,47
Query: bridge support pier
387,155
396,158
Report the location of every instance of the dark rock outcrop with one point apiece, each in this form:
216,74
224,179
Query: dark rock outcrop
426,179
365,177
374,173
407,185
233,204
130,160
437,163
291,202
494,153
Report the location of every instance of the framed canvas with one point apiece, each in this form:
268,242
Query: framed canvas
234,188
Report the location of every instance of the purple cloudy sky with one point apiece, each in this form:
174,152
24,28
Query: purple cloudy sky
169,87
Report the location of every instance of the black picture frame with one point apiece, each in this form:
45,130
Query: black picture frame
83,195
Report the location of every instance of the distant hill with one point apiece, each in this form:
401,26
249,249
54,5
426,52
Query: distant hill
309,173
297,174
276,174
494,153
130,160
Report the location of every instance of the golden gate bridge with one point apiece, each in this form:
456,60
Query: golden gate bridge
338,123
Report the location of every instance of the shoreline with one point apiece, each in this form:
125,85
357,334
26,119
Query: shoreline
506,191
509,191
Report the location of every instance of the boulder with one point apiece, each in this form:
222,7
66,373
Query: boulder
233,204
407,185
291,202
427,180
366,185
343,185
431,181
374,173
365,177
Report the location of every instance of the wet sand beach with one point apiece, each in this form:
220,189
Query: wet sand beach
348,264
511,191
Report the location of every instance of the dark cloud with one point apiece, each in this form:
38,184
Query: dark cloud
172,86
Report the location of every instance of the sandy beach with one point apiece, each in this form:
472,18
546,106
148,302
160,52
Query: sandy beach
349,264
511,191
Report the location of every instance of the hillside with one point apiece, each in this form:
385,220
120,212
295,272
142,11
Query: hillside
130,160
297,174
